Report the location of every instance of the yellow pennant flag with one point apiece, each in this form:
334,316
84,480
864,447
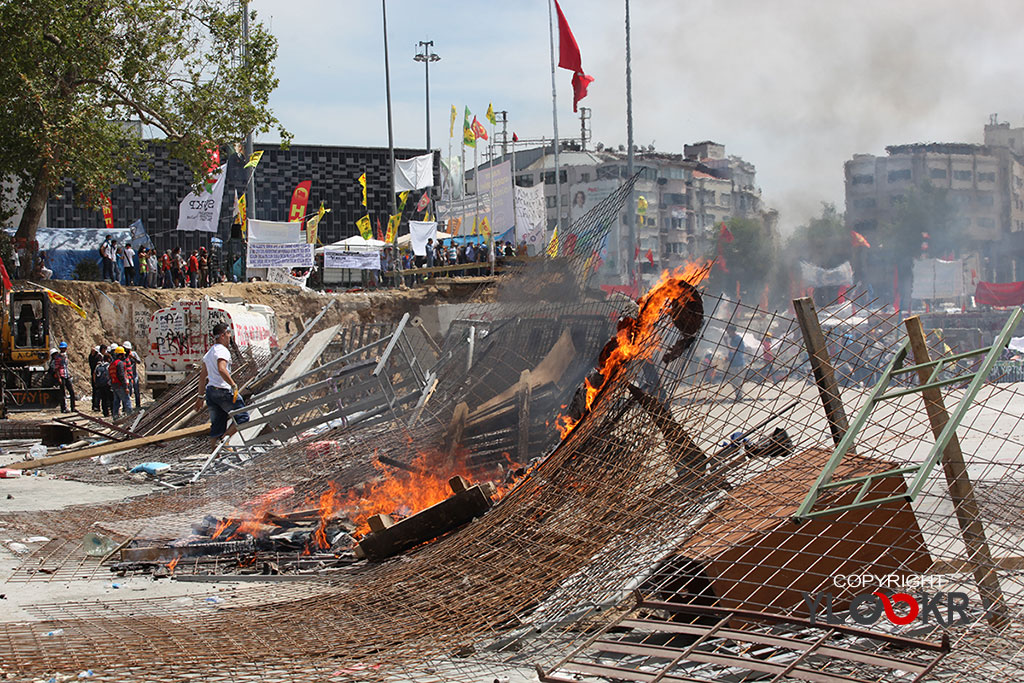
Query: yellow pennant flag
454,225
313,224
475,223
451,124
365,229
362,181
490,114
426,215
485,227
62,300
552,250
254,159
392,228
402,197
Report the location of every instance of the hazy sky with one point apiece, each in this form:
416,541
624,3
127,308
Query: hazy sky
794,86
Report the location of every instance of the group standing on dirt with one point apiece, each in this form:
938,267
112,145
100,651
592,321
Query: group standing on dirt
145,268
115,379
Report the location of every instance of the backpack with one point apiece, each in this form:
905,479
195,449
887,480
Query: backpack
112,371
101,374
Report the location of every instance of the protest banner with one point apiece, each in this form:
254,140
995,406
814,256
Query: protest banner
350,259
264,255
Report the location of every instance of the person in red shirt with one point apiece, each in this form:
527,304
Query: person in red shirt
193,269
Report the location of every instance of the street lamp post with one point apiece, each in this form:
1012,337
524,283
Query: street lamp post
426,55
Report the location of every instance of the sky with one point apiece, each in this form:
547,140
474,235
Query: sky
795,87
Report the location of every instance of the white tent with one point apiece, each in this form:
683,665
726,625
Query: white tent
354,243
403,240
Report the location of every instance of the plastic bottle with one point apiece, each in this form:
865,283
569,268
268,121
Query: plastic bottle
98,545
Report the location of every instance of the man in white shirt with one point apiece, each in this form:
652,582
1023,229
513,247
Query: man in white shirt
221,392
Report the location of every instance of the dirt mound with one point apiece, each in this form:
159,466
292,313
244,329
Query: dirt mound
116,313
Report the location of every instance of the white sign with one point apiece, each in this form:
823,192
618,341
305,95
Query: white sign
497,182
274,232
350,259
415,173
202,211
531,214
263,255
284,276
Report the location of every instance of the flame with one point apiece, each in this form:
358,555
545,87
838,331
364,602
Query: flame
172,564
636,338
250,514
328,506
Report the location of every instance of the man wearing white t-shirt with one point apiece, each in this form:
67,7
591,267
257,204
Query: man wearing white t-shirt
221,392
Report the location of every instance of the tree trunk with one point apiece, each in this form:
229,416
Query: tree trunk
35,208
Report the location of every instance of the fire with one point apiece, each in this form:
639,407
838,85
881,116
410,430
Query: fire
250,514
636,338
327,507
172,564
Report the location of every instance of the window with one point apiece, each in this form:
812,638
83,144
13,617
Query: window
565,200
725,199
584,177
608,173
865,203
937,173
963,175
862,179
550,201
677,223
897,176
525,180
549,177
986,177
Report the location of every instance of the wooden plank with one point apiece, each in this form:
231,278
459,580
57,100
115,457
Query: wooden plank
116,447
523,396
455,430
961,490
821,365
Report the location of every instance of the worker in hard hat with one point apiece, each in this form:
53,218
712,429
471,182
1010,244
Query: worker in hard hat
60,371
133,362
119,383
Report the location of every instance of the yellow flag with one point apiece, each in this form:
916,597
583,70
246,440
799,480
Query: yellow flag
426,215
313,224
641,208
392,228
402,198
485,227
451,124
365,229
490,114
254,159
475,224
454,224
62,300
553,244
362,181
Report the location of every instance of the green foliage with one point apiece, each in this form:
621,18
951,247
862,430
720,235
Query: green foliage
74,70
87,270
750,255
6,250
824,241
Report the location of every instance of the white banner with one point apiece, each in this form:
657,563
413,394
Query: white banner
263,255
531,214
816,276
352,259
284,276
202,211
274,232
419,233
414,174
497,182
938,279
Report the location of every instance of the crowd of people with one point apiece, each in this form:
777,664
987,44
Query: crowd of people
146,268
115,379
441,253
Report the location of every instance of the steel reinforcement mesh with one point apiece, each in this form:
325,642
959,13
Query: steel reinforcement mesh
647,492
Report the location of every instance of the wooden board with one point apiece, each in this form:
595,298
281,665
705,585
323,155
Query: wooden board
115,447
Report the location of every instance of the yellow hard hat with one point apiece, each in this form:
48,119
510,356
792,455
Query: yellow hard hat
119,349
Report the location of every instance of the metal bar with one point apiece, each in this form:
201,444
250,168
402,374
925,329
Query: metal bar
821,366
940,361
961,490
922,387
874,475
849,437
391,344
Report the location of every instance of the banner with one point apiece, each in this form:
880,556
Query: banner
284,276
419,233
585,196
366,260
254,159
414,174
465,207
497,182
202,211
999,294
531,213
938,279
267,255
274,232
815,276
108,212
299,199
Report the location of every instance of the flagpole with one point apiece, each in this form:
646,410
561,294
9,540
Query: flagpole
476,188
391,134
462,202
554,118
631,253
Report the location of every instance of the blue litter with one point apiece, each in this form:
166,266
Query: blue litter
151,467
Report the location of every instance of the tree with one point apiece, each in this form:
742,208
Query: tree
75,71
748,256
823,241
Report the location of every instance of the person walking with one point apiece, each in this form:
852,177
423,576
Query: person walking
101,382
107,255
151,269
204,268
95,356
118,373
221,392
58,372
133,362
737,361
193,269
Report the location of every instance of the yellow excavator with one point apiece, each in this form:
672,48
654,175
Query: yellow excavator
25,354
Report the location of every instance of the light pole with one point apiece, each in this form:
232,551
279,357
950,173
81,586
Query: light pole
426,55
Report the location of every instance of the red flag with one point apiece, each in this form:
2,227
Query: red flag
569,58
423,203
724,234
896,289
6,277
636,252
380,233
478,130
299,199
108,212
515,138
858,240
650,256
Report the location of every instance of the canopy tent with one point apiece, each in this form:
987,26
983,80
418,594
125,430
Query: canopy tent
405,240
353,243
66,247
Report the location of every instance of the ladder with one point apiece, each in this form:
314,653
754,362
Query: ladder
917,473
